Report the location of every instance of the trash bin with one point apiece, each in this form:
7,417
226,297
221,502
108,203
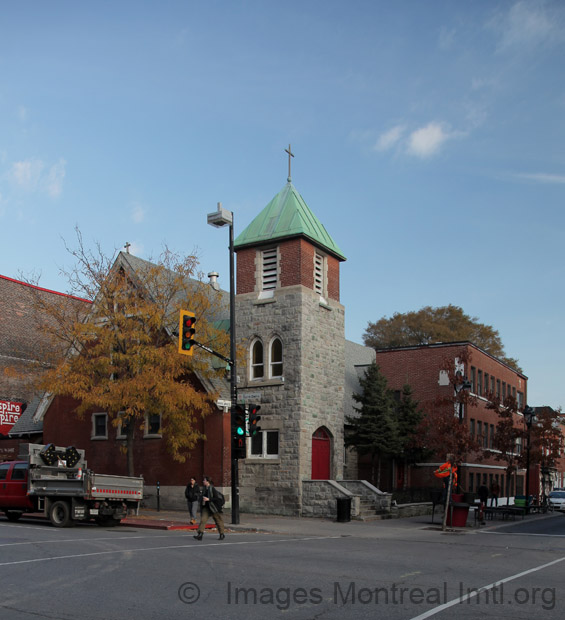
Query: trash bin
457,514
343,509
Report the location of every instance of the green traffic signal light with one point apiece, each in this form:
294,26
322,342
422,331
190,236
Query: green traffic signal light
238,432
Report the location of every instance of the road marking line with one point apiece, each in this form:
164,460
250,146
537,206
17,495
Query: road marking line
524,534
461,599
191,546
418,572
74,540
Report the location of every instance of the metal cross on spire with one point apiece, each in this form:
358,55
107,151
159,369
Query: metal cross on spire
127,246
290,154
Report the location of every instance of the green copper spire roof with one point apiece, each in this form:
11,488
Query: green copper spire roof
287,215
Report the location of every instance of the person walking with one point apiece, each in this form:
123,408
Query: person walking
211,502
192,494
483,499
494,493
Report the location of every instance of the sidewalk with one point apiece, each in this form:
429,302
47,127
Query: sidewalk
307,526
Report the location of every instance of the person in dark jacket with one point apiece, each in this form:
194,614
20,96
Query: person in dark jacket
483,499
192,494
210,506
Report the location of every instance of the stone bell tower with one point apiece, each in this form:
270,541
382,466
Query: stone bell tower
290,324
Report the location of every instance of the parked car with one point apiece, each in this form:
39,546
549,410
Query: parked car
557,500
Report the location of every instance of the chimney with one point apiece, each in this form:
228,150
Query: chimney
213,275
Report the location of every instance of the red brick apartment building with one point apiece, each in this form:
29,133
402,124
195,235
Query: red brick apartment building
424,369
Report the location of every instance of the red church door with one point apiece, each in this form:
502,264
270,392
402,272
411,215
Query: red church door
321,449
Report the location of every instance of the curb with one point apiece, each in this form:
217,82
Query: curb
162,525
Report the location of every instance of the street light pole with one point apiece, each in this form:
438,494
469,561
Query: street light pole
461,383
220,218
529,416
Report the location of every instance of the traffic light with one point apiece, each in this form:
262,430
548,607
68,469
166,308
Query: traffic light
186,332
254,418
238,433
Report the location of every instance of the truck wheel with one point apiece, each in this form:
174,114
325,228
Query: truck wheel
12,515
60,514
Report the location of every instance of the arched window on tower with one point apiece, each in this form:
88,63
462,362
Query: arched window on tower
257,364
276,358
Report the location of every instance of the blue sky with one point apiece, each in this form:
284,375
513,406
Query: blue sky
428,138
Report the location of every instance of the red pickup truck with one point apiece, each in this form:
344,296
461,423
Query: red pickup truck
56,482
13,489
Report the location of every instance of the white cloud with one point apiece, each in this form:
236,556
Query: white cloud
390,138
138,212
22,113
543,177
53,181
26,174
32,175
526,24
427,141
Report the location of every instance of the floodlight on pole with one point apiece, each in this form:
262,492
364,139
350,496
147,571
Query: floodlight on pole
220,218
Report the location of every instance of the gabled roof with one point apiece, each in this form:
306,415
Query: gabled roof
137,269
286,216
27,424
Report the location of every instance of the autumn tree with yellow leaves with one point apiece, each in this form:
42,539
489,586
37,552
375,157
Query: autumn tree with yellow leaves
122,349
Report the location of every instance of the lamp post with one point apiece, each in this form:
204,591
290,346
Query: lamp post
220,218
529,417
461,383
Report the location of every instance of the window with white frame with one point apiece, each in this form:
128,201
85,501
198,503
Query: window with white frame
265,444
99,426
257,363
276,358
518,445
269,269
153,425
123,425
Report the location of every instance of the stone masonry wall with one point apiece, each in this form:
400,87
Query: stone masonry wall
319,499
310,395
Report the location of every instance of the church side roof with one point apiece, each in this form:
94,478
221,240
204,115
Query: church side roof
287,215
357,358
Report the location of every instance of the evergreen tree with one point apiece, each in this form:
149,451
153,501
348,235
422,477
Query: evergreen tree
409,418
375,431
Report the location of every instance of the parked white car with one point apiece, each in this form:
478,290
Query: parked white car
557,500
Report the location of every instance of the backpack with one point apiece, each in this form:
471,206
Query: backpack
219,499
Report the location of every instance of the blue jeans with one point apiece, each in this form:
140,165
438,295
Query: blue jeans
192,509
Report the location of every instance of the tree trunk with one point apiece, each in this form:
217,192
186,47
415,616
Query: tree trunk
379,471
373,472
129,447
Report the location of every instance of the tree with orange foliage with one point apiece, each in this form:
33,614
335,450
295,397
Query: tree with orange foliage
122,356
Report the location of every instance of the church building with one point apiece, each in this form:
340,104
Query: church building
291,324
298,368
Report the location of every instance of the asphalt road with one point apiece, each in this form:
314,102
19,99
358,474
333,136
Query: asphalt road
386,570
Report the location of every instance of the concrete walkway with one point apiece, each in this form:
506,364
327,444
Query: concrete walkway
179,520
